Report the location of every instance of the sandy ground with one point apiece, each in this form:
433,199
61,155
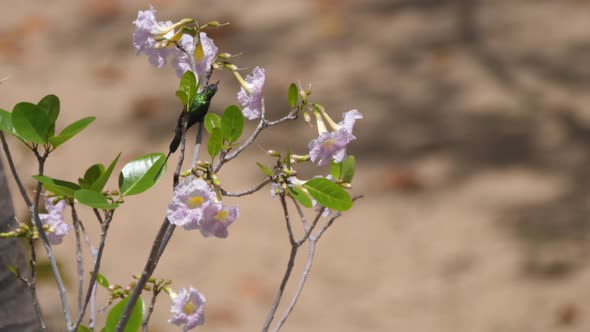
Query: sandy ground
472,155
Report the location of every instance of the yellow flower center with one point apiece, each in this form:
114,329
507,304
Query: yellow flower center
329,142
221,216
195,202
189,308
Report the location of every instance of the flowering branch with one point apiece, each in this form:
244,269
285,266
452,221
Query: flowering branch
262,124
162,238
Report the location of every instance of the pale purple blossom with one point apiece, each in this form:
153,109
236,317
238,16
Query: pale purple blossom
251,100
217,219
188,309
144,40
203,62
58,229
191,198
332,145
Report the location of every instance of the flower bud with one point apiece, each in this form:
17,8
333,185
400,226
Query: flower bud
306,117
345,185
303,96
273,153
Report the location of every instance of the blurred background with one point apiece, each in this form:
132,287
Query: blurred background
472,155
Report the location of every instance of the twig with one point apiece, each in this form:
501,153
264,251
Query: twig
308,263
246,192
294,246
32,285
301,215
275,304
287,275
89,293
313,225
288,221
93,252
79,258
144,324
19,183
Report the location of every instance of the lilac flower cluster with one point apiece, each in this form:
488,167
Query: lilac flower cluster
187,309
58,229
154,38
194,206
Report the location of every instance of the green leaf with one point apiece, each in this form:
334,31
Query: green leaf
328,194
188,84
232,123
134,320
92,174
50,104
99,184
182,96
293,95
348,168
300,196
93,199
6,124
265,169
101,280
335,170
82,328
212,120
30,122
140,174
215,142
70,131
59,187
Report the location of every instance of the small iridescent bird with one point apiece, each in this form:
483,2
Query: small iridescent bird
198,110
